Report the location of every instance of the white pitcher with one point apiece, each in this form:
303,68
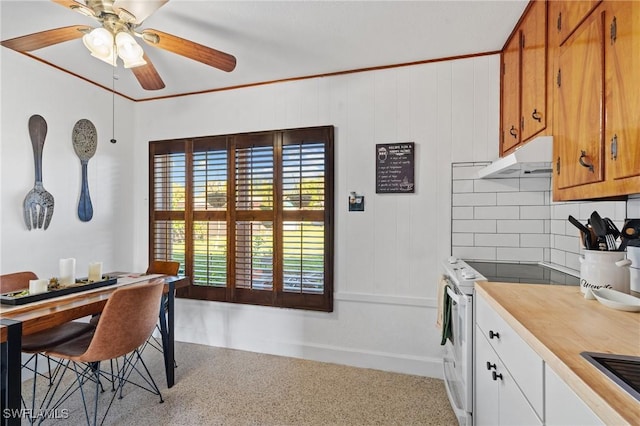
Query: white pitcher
608,269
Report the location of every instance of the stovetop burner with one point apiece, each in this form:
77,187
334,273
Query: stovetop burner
532,273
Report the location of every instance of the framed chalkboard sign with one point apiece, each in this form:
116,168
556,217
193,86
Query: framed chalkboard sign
395,168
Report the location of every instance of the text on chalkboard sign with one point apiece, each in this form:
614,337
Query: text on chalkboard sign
395,168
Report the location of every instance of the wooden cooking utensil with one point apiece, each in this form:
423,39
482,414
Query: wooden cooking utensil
38,203
85,143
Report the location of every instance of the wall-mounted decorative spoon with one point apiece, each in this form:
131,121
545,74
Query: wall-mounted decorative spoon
85,142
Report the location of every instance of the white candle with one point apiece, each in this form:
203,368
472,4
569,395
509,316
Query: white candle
67,271
95,271
37,286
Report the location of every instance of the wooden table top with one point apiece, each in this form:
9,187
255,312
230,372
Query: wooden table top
559,323
38,316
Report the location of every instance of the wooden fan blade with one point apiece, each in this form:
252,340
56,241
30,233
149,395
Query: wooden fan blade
147,76
140,9
42,39
76,6
190,49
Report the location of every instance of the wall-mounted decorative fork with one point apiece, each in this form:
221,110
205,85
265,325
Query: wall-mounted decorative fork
38,204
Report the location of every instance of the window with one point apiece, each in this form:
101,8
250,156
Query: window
248,216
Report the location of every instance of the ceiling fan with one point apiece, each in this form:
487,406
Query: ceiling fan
120,21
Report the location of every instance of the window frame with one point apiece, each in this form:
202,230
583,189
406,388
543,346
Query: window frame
231,214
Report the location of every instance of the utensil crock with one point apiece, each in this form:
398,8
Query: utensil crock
604,269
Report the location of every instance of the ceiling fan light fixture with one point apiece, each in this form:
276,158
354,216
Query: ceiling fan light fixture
129,51
100,44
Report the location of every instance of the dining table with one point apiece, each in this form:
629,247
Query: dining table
28,318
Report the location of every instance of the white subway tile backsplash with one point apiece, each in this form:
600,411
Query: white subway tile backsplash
462,212
535,212
521,226
558,257
498,240
461,186
535,240
521,254
495,212
559,227
487,199
516,220
467,170
608,209
633,207
521,199
462,239
496,185
535,184
474,226
562,211
475,253
567,243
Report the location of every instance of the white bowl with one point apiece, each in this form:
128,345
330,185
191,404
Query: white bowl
617,300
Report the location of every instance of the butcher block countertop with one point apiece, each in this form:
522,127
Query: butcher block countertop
559,323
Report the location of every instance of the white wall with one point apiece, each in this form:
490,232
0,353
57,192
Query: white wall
386,258
29,87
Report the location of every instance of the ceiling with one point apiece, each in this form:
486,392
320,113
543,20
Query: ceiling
275,40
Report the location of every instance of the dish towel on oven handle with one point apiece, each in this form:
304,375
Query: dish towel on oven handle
442,290
446,314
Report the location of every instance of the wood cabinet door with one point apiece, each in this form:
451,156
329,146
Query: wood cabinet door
534,70
580,111
511,95
569,14
622,82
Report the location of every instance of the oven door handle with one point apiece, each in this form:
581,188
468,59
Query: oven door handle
452,294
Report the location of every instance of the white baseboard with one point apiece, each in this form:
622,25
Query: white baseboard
415,365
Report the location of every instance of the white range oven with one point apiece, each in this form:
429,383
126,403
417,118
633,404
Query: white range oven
458,358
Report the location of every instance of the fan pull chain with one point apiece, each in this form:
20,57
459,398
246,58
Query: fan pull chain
113,106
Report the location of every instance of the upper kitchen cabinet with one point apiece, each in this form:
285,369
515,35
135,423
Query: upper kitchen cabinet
524,94
597,109
578,125
534,66
622,121
511,94
569,14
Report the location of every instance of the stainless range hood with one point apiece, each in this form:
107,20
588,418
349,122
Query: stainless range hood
532,159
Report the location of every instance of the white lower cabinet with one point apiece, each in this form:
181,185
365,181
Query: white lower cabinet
498,398
513,385
563,406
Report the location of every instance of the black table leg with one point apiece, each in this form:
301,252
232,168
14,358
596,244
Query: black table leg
167,333
11,373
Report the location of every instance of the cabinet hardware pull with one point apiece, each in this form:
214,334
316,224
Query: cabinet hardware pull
613,31
558,166
559,78
614,147
559,22
513,132
492,335
496,376
536,115
490,366
583,155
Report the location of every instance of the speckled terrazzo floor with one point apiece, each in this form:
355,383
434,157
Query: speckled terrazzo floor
217,386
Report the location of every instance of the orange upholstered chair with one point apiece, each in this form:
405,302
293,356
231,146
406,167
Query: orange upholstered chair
165,267
126,322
